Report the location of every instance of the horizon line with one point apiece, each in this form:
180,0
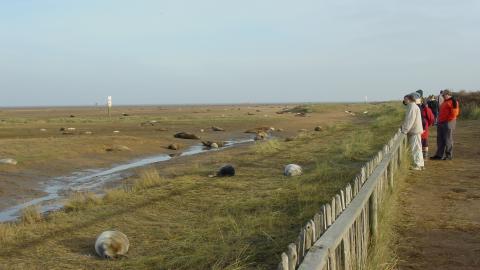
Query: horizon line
192,104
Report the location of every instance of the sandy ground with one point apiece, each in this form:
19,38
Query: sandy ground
440,226
33,137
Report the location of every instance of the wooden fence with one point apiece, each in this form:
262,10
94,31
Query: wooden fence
338,236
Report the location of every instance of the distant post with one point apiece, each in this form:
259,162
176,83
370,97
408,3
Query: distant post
109,105
366,99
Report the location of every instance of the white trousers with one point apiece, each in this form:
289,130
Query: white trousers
415,141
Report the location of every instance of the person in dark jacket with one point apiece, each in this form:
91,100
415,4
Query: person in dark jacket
433,105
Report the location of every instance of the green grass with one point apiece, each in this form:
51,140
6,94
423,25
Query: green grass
357,144
191,221
469,104
470,111
382,254
268,147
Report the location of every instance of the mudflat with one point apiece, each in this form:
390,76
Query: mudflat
56,142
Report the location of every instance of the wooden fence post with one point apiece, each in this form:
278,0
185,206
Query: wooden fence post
346,251
316,220
338,206
373,213
348,194
284,263
323,214
292,257
334,210
309,234
363,176
357,184
391,168
328,214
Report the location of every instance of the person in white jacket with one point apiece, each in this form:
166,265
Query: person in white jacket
412,127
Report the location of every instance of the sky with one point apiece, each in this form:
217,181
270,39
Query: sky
78,52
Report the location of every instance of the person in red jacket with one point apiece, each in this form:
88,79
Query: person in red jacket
428,119
447,121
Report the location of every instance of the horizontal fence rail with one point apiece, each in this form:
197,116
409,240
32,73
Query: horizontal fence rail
338,236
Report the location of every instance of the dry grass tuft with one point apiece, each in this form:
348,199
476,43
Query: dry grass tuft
31,215
81,200
148,178
7,232
115,194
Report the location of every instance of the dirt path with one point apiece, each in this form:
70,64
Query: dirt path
440,226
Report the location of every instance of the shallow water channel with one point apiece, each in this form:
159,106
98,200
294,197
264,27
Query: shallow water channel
58,188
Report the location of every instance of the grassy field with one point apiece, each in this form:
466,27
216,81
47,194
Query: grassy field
469,104
185,220
32,136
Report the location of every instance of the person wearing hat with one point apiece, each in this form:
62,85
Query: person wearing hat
440,98
447,121
420,92
433,105
412,127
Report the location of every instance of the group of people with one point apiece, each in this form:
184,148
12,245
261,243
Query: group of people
421,114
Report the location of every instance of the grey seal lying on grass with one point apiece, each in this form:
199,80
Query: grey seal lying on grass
292,170
112,244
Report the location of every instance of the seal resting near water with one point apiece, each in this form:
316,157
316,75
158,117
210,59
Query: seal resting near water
212,144
261,135
186,135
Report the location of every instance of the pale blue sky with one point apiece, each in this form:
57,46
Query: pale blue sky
68,52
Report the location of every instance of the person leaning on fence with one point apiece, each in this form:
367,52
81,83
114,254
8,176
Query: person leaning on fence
412,127
447,121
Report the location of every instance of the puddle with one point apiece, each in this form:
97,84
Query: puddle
58,188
